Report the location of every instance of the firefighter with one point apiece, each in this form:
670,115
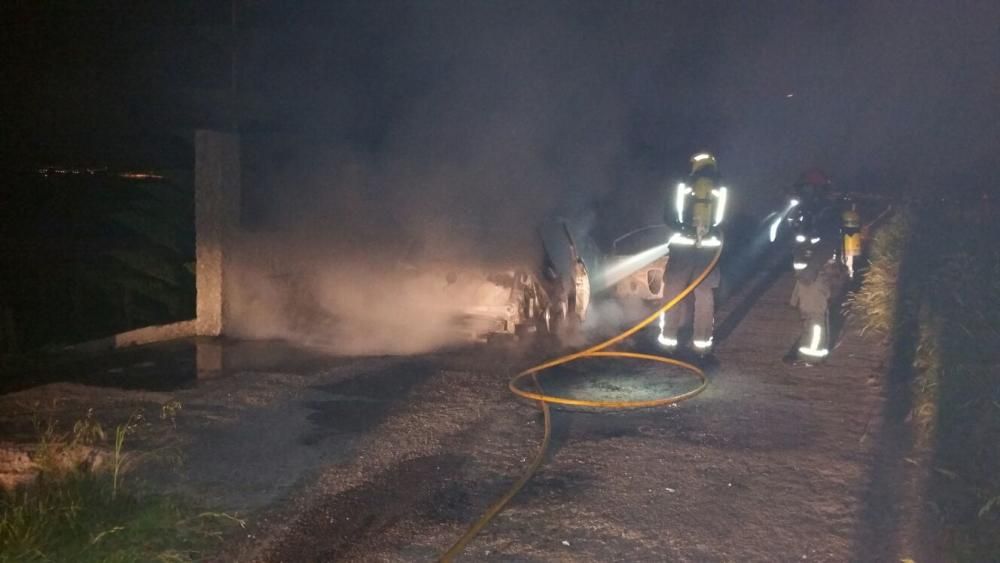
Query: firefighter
695,213
815,279
818,276
850,231
816,260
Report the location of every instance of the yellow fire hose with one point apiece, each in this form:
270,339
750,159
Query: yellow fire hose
597,351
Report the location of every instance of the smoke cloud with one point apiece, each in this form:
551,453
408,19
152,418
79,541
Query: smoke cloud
396,146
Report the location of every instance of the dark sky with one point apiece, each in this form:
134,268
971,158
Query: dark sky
592,96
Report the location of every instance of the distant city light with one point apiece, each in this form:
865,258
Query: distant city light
127,175
140,176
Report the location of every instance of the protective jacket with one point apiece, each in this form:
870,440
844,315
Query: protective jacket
699,206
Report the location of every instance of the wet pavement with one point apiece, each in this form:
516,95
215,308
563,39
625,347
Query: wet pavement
390,458
768,464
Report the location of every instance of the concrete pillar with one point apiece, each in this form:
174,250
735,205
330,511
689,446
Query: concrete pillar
209,357
217,217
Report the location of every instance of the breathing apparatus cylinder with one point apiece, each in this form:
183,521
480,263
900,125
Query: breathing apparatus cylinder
850,228
703,206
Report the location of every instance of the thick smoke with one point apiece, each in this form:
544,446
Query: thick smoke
403,145
504,117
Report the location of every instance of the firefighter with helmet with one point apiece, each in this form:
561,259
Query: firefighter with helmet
818,272
695,212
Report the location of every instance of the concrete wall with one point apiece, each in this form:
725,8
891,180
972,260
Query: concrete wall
217,227
217,217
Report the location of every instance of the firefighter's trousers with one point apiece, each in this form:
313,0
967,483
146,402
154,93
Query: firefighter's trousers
684,265
814,342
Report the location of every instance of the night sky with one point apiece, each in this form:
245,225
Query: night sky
596,97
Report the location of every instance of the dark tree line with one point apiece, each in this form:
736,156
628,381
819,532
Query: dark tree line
90,255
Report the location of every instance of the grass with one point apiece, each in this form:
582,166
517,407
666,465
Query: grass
77,517
73,512
934,287
876,302
119,460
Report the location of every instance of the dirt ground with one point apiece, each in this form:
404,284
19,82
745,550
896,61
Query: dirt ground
390,459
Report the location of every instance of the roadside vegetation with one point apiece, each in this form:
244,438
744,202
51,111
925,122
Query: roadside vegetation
933,289
80,507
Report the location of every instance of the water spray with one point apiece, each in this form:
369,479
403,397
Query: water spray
781,217
626,266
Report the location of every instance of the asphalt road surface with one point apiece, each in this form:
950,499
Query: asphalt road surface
771,463
391,458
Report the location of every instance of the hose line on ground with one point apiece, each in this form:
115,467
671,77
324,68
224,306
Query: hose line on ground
597,351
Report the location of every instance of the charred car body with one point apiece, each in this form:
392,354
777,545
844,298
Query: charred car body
555,297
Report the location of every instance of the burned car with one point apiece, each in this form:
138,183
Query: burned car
557,296
549,298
